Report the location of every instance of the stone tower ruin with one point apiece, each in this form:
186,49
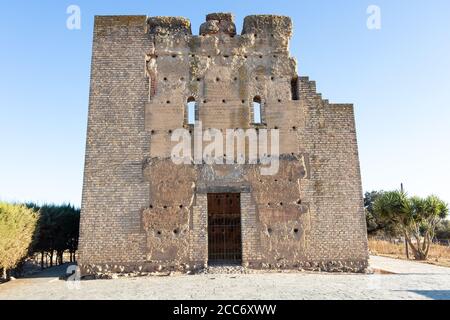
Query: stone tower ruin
143,212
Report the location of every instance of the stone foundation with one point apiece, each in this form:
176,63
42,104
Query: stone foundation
104,271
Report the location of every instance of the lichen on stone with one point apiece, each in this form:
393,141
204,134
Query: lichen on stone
169,25
273,24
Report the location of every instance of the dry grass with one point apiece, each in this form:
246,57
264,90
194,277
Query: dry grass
439,254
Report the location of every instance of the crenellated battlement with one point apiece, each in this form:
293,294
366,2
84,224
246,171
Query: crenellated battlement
166,25
268,25
218,23
223,24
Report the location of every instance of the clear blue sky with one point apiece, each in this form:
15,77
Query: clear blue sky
397,77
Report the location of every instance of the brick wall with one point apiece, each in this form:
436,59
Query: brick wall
114,190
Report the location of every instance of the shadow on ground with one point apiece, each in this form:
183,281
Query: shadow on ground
434,294
53,272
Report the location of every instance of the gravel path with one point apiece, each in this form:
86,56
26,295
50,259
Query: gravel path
411,281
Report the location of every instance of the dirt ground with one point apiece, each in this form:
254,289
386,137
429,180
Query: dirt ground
439,254
400,280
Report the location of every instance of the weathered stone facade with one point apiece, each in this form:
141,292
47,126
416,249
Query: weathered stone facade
142,212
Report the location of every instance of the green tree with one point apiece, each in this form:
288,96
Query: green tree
443,230
18,226
59,228
376,224
417,218
66,231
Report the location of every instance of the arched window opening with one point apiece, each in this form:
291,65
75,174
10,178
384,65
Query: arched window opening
151,72
295,88
191,107
257,110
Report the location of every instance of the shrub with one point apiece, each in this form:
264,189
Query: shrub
18,226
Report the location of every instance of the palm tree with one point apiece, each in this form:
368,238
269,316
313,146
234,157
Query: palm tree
415,217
